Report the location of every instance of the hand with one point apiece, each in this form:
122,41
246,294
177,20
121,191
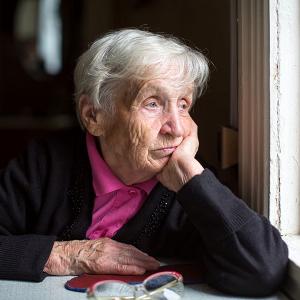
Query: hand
101,256
182,165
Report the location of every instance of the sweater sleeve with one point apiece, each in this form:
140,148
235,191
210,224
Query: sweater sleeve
243,253
23,253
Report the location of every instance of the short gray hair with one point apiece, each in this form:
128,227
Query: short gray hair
127,55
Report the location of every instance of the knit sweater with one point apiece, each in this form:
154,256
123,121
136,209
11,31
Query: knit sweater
46,195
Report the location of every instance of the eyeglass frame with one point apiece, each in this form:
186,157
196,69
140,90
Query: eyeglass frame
146,295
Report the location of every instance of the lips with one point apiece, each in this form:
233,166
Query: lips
165,151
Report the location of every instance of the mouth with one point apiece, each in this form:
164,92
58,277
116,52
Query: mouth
166,151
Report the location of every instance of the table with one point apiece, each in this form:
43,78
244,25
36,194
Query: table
52,288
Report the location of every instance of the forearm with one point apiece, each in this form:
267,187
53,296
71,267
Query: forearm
22,257
244,253
213,208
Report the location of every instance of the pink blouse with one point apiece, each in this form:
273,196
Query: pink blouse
115,203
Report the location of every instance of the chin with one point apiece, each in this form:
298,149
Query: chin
160,164
152,167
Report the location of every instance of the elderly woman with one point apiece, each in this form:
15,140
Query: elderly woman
127,186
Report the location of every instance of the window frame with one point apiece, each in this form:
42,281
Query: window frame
269,130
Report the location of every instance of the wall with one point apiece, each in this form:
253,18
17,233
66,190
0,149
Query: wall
205,24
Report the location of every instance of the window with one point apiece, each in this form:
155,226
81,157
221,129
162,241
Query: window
269,117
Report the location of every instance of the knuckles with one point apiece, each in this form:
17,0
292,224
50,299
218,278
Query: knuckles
120,268
106,256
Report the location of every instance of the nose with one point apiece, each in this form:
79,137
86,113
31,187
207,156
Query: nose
172,125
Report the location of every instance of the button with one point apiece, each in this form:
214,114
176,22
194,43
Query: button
132,192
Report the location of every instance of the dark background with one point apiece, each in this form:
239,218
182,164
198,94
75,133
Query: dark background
34,102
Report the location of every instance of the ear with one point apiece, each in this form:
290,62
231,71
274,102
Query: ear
93,120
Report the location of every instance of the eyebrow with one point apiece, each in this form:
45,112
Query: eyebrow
158,89
152,88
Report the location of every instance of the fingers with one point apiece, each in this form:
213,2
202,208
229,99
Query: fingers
131,256
135,262
141,259
133,251
122,269
128,249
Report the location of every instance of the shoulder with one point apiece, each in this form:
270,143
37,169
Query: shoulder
63,144
52,153
66,138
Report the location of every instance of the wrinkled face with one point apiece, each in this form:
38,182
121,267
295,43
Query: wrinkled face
147,128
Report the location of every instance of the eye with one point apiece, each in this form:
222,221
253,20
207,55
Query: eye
184,105
152,104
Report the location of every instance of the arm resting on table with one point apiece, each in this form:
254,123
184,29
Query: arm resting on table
23,257
244,253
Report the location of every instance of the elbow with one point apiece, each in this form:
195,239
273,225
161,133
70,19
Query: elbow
270,272
257,268
267,281
261,282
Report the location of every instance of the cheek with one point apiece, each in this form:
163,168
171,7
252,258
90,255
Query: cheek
187,125
141,135
117,138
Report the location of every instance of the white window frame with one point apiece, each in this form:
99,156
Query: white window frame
269,118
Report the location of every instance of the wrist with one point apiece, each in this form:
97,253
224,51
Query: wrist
189,169
59,261
195,169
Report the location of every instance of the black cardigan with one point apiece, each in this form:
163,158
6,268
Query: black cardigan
46,194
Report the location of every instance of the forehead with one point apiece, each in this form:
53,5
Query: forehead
163,80
166,86
166,76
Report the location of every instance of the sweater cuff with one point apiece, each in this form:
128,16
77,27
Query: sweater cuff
23,257
211,205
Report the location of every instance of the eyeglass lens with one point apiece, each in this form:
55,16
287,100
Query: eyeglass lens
114,289
164,287
157,282
159,286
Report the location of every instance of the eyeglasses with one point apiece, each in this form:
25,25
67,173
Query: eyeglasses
159,286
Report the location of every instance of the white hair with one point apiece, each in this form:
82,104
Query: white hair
130,55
